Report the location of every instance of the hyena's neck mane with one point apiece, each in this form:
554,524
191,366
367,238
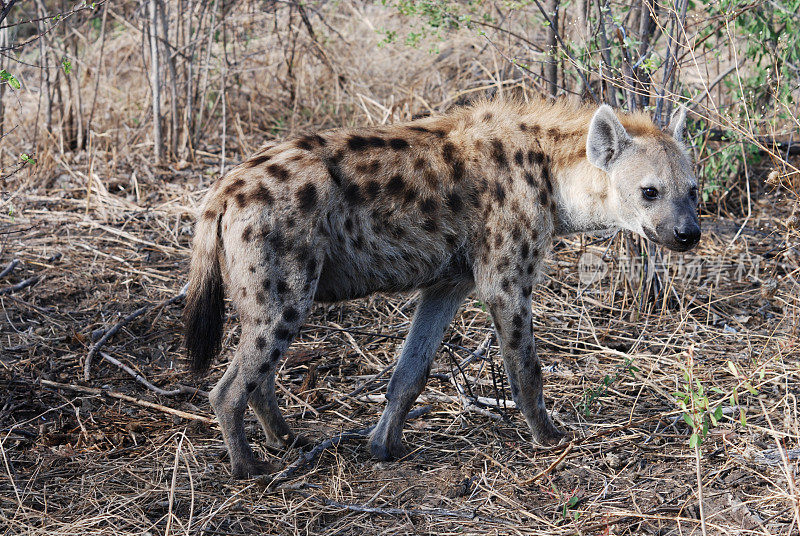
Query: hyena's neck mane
582,191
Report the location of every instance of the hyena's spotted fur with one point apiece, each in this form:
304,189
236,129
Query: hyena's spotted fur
451,204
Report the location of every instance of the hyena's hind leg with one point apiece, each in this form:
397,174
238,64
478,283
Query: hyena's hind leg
435,311
273,302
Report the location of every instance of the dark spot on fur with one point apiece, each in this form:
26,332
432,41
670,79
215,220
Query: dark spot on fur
430,225
398,144
451,240
261,342
529,269
395,186
523,127
275,354
503,263
279,172
499,153
530,179
517,321
264,368
261,298
290,314
535,130
247,234
547,180
282,333
361,143
233,187
555,133
241,200
372,189
454,202
544,198
369,168
352,194
410,196
505,284
266,284
261,194
348,225
519,159
499,192
251,386
488,116
525,250
419,163
535,157
436,132
513,343
516,233
498,240
281,287
209,214
428,206
257,161
310,141
252,269
307,197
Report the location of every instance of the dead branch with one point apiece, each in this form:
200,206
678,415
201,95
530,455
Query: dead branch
133,400
121,324
21,285
334,442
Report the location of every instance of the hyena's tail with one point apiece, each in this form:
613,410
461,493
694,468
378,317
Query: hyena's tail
203,314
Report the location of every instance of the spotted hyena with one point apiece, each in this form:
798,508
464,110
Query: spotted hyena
468,201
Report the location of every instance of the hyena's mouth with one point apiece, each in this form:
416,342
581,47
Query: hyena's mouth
671,243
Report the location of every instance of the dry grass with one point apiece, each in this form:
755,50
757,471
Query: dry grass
107,233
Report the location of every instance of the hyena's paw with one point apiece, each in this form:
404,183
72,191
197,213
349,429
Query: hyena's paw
385,452
252,469
545,433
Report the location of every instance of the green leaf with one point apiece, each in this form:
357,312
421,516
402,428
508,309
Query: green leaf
718,413
67,65
694,440
742,417
688,420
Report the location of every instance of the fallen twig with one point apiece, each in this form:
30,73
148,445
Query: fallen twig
21,285
433,512
181,389
333,442
10,268
133,400
121,324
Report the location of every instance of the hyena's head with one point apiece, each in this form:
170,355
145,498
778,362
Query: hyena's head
653,189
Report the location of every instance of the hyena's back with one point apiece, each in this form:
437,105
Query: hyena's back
380,210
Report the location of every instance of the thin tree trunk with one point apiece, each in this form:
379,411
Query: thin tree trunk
155,83
551,65
642,75
611,93
173,80
98,71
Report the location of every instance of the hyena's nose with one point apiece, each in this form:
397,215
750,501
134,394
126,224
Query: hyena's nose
688,236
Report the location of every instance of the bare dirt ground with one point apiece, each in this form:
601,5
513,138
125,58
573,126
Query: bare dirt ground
77,461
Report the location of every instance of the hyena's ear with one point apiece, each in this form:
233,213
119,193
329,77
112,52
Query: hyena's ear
607,138
677,125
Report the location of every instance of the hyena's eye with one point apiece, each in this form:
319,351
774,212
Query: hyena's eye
650,193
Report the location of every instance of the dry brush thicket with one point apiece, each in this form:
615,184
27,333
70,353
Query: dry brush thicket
94,242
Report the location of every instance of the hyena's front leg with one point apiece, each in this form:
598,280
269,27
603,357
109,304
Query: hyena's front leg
435,311
512,320
508,295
